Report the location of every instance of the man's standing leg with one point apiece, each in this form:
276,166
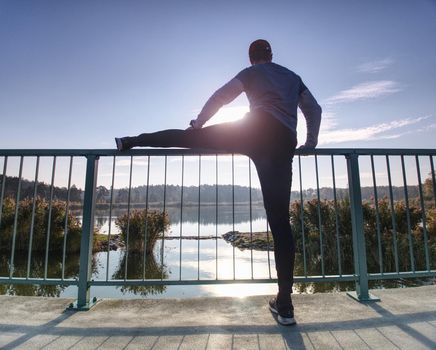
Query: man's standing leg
275,179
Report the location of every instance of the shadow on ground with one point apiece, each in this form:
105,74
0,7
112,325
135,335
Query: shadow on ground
403,319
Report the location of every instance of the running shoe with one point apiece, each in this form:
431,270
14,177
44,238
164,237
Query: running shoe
121,145
285,318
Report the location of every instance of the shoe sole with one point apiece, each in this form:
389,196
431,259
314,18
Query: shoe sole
284,321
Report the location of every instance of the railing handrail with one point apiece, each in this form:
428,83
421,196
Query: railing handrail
196,151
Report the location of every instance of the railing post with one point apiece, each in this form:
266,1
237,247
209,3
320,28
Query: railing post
85,272
359,245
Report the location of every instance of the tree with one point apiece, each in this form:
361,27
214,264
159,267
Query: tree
428,189
101,194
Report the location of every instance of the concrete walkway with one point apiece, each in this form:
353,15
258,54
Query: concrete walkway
403,319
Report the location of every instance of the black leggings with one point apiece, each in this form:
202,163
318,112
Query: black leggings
271,146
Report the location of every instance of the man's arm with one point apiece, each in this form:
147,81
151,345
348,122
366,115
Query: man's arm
312,112
221,97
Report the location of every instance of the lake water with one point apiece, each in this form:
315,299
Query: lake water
186,259
195,259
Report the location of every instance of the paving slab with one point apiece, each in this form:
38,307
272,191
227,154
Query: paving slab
405,318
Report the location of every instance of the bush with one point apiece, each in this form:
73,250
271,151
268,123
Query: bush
142,228
405,244
40,226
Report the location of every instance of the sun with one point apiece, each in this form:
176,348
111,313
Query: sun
228,114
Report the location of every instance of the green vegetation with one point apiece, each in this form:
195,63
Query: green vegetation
142,228
154,223
406,244
390,239
41,223
100,242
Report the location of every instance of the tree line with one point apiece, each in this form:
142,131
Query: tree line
206,194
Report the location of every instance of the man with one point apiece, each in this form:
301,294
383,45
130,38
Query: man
268,136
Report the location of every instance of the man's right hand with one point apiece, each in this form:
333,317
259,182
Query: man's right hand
306,148
194,124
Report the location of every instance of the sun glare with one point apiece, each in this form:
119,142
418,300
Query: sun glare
228,114
241,290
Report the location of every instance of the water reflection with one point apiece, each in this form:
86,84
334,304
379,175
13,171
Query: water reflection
138,267
135,265
186,264
207,215
37,270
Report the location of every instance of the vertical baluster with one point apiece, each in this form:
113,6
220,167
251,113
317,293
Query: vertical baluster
233,211
216,216
146,219
406,199
110,217
162,253
268,240
358,232
17,206
67,209
377,217
321,243
2,193
424,219
181,219
198,217
338,244
302,217
86,240
394,222
32,223
126,256
433,179
50,205
251,218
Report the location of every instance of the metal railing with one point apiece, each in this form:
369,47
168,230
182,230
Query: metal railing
331,233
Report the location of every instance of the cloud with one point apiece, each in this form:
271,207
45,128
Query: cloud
427,128
328,135
365,91
375,66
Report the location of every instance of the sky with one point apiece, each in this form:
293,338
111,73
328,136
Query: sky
75,74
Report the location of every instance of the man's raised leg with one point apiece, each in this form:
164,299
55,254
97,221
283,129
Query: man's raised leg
232,137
